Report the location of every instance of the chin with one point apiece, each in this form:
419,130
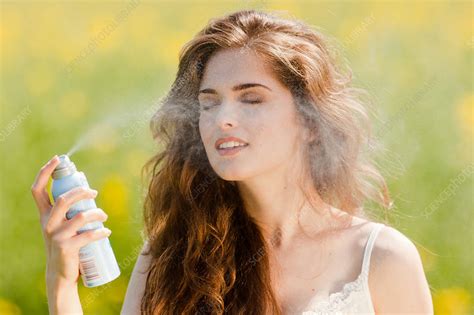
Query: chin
231,176
231,173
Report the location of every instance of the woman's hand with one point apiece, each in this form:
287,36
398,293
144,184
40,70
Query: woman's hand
60,234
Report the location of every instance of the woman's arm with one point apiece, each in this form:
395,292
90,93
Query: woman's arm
63,297
136,286
397,280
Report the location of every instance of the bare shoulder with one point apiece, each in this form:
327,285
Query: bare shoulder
397,280
136,286
391,245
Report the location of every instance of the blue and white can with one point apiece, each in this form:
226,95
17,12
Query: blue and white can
97,263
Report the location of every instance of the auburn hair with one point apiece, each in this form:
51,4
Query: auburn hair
208,254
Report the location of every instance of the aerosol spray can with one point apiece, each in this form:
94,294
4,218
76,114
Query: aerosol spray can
97,263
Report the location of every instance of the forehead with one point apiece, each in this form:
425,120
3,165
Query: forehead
232,66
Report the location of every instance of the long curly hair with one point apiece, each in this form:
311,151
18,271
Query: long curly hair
208,254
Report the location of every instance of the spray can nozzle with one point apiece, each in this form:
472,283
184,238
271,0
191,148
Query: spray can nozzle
65,167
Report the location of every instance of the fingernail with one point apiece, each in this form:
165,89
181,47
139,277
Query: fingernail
95,192
53,159
107,231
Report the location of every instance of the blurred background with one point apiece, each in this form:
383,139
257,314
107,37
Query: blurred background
90,74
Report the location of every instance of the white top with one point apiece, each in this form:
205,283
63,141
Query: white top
354,298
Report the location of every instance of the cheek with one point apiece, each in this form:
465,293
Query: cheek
277,136
205,129
278,140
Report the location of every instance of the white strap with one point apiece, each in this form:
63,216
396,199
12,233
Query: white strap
369,246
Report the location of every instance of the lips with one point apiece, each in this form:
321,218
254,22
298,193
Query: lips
231,151
227,139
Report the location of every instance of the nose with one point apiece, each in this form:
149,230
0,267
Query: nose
227,116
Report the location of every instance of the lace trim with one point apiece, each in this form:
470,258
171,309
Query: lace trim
337,300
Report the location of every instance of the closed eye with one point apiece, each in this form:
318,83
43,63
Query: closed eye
252,101
251,98
206,107
207,104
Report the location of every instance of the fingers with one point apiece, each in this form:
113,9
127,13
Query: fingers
38,189
65,201
82,218
87,237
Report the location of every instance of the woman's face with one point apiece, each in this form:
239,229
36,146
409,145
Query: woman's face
241,97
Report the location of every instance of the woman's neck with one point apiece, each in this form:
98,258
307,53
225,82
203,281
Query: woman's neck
281,209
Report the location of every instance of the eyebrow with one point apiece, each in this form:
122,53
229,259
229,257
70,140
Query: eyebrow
237,88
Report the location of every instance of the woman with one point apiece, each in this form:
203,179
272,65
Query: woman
255,202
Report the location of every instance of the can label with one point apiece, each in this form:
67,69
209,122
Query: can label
88,265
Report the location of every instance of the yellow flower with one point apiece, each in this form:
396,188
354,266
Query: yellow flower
113,196
11,28
453,300
167,51
8,307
